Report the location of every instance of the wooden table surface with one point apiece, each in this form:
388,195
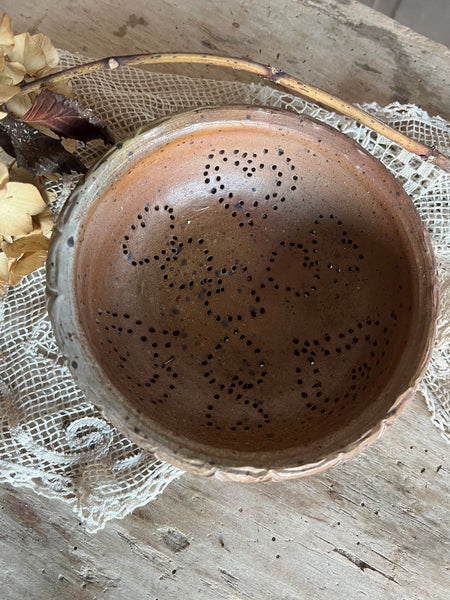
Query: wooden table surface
375,527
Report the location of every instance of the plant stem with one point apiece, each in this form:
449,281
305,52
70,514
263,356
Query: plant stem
276,76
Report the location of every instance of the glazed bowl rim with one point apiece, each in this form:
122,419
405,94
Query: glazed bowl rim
80,358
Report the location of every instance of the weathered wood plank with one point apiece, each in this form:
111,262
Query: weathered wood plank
372,528
341,46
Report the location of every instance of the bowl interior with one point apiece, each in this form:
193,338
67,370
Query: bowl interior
249,288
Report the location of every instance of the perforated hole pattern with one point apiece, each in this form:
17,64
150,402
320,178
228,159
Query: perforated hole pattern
239,298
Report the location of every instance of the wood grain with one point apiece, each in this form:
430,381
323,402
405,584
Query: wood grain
340,46
372,528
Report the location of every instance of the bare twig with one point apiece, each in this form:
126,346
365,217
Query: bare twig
274,75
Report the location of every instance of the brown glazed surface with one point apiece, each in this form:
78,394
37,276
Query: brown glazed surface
256,291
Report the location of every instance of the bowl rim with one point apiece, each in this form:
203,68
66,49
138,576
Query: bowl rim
75,347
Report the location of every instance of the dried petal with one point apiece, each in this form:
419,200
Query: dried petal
14,72
26,244
45,221
2,60
14,279
7,91
3,267
4,272
6,34
18,205
50,53
29,262
23,176
19,173
46,131
61,87
27,52
23,257
20,105
6,276
4,176
69,145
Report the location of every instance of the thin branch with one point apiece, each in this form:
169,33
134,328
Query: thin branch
281,78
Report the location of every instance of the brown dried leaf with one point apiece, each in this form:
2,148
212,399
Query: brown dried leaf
66,117
6,34
36,152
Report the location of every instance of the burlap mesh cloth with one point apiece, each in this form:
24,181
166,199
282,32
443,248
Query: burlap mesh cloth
52,438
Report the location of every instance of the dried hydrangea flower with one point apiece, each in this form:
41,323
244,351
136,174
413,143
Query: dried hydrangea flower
25,225
24,57
24,255
6,34
7,88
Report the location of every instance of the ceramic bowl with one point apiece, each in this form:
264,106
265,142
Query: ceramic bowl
245,292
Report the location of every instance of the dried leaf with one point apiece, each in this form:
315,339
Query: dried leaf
66,117
27,52
36,152
6,34
19,202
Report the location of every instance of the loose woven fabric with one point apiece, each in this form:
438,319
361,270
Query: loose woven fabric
52,438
